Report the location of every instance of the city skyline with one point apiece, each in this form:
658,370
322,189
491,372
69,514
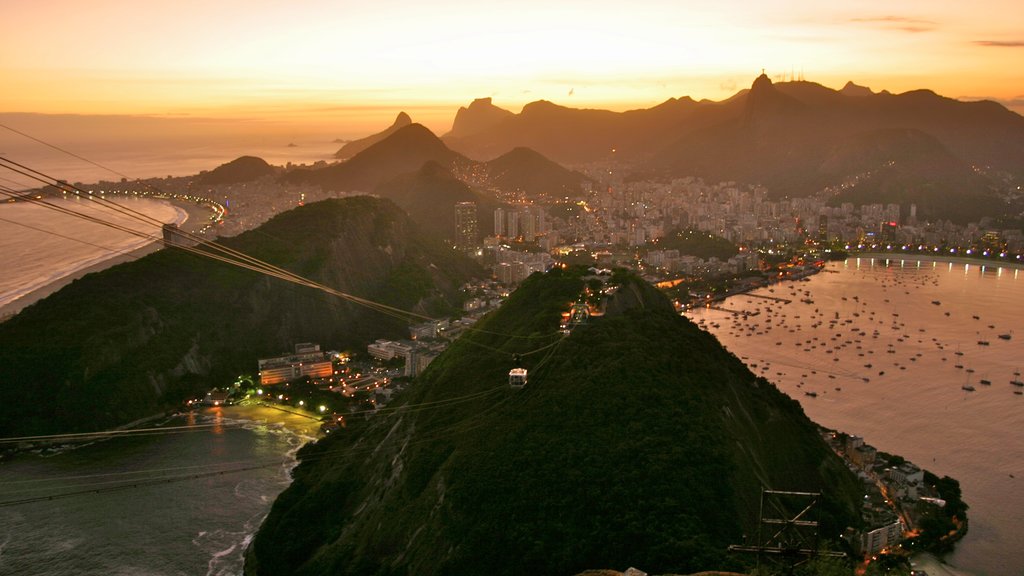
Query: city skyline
300,62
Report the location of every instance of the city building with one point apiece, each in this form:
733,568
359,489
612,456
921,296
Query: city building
878,539
466,234
307,360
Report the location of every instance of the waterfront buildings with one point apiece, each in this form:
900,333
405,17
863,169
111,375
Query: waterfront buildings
307,360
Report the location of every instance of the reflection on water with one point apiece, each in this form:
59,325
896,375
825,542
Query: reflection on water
150,504
885,350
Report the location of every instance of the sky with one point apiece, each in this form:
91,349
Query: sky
359,60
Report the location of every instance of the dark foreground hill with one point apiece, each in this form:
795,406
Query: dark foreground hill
132,340
638,441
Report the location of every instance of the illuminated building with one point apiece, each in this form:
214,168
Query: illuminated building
465,225
307,360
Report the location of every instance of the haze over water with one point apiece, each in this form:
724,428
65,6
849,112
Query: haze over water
917,408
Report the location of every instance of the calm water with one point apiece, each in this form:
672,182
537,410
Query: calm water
188,527
873,312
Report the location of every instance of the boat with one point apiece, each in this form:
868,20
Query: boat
985,382
936,302
811,394
982,342
967,387
1017,382
1006,336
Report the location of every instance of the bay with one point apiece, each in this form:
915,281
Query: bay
167,504
877,342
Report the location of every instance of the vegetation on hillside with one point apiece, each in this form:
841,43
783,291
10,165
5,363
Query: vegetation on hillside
637,441
142,336
697,243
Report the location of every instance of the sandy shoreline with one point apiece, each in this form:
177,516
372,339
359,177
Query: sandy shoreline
196,218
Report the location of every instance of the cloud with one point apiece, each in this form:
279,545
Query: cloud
1000,43
729,85
898,23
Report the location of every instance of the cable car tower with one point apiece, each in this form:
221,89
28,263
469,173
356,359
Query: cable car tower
788,531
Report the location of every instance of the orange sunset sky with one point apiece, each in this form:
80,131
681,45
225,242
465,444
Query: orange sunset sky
308,59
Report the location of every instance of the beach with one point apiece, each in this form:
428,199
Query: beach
189,216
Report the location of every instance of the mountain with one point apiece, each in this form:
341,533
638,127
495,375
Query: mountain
397,160
795,138
404,150
798,138
140,337
479,116
638,440
851,89
429,196
522,170
242,169
354,147
570,135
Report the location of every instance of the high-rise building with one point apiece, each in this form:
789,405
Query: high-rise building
465,225
499,222
512,229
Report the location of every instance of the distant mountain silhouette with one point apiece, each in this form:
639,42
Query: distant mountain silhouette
479,116
851,89
796,138
404,150
799,137
570,135
408,149
242,169
356,146
525,170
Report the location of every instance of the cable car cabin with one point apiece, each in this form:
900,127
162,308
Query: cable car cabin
517,377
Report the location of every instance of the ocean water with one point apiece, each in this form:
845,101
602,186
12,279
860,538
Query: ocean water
887,347
150,148
169,513
39,245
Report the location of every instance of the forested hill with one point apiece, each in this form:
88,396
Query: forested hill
139,337
638,441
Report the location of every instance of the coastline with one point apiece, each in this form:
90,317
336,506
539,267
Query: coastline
930,258
945,563
12,308
192,215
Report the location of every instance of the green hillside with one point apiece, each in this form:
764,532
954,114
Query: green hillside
638,441
139,337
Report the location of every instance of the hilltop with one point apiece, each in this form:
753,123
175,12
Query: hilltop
140,337
242,169
526,171
354,147
638,441
404,150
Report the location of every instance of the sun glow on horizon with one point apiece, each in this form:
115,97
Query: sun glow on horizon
298,60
